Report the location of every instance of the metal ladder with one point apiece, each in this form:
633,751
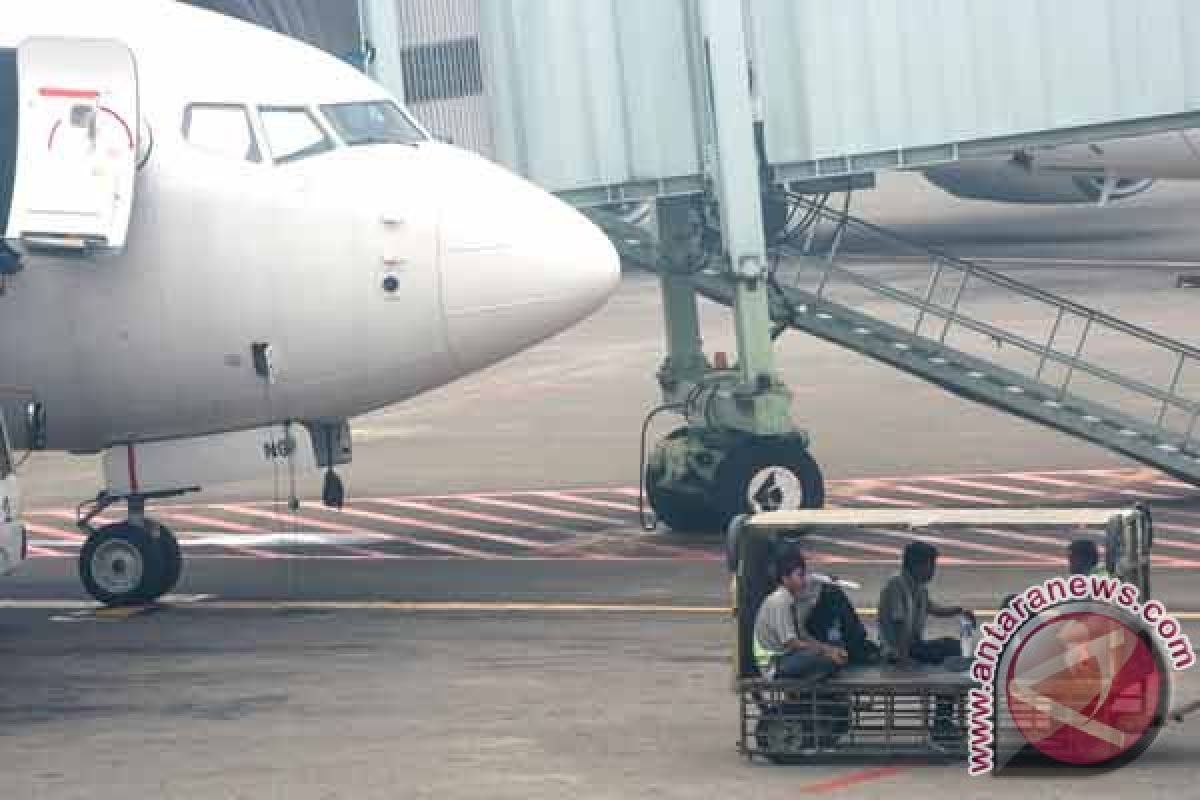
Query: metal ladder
936,317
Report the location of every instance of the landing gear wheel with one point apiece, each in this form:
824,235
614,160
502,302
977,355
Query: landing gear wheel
768,474
122,565
172,561
683,512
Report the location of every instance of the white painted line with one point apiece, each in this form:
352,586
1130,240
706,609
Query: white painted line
210,522
45,530
909,536
894,552
290,520
885,501
286,539
989,487
956,497
567,497
1017,536
460,513
409,522
1035,477
1139,494
543,510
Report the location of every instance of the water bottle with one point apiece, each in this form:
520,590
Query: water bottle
835,633
966,636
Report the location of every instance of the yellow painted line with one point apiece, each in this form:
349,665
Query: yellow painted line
442,607
417,607
124,612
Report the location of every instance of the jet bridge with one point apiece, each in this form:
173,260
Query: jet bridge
721,111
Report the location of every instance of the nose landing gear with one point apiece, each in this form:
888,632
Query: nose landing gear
131,562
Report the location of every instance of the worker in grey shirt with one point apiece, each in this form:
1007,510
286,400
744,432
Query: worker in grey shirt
783,648
904,607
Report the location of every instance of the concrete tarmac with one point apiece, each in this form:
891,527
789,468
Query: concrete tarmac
315,678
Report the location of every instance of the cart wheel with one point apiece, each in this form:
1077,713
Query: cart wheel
783,741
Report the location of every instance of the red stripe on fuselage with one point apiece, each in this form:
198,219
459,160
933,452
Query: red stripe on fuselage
74,94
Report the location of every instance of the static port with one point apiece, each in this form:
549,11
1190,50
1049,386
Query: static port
391,283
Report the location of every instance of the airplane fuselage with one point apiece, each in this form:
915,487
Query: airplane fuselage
373,272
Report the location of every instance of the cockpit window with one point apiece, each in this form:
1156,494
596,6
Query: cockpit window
293,134
222,130
379,122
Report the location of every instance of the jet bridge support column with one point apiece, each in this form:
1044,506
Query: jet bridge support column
740,452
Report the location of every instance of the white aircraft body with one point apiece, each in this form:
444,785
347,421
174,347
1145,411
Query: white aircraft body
220,229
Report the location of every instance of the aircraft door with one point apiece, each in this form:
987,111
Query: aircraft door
77,143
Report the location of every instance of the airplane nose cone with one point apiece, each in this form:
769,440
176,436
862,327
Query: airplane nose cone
518,265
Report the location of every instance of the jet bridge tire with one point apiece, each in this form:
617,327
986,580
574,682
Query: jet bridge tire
121,565
768,474
682,512
172,561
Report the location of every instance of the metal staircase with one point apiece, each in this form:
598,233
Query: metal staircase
978,334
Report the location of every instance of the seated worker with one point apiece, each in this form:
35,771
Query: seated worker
834,620
904,607
794,623
1083,558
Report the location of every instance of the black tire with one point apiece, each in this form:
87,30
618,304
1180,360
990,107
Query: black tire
172,561
749,462
813,728
121,565
683,512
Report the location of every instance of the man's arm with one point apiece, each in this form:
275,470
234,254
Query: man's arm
936,610
802,645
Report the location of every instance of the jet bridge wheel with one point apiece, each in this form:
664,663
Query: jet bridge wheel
681,511
122,564
774,473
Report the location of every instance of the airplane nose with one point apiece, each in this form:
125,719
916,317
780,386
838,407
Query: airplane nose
518,266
